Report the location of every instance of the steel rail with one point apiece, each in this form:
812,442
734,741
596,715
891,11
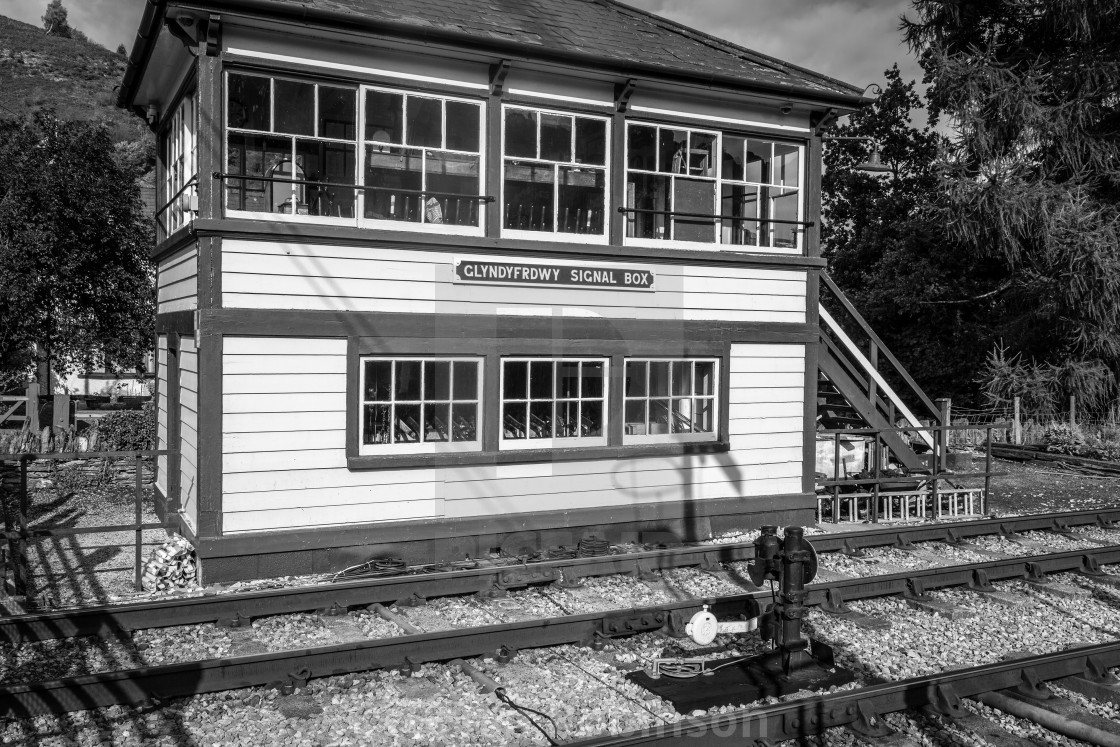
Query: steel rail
810,716
177,680
240,608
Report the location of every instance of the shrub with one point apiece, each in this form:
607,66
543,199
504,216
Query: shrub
1063,438
128,430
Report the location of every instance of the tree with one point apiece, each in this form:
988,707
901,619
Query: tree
76,286
927,296
121,50
54,20
1033,179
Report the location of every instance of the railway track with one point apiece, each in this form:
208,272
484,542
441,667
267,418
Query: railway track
240,609
156,683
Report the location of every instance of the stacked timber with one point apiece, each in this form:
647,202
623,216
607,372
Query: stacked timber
1083,465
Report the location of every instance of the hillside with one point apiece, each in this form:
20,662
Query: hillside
75,78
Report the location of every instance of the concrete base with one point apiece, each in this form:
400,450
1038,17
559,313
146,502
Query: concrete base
1067,591
942,609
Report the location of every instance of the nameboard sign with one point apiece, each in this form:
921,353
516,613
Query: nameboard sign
579,276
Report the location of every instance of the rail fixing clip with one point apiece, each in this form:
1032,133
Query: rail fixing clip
916,589
980,581
1036,575
1097,671
1090,566
834,603
902,542
868,723
943,700
1031,686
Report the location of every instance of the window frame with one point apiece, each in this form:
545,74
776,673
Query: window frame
554,442
715,397
363,143
606,168
720,182
178,144
420,447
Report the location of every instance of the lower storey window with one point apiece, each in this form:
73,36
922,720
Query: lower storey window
670,400
421,405
553,402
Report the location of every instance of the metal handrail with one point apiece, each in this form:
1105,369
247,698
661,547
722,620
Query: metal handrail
339,185
713,216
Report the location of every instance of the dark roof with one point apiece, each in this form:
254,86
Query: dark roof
602,33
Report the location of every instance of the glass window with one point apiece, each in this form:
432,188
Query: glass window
553,402
437,177
420,405
179,162
759,194
670,400
554,174
290,147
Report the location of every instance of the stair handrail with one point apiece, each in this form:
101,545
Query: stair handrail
882,347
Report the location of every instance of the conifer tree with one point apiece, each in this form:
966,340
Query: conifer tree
54,20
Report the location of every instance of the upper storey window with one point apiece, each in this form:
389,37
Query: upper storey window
712,187
423,159
554,178
291,147
179,153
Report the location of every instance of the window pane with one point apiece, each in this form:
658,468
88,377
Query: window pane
250,102
642,148
529,195
567,419
556,138
636,379
704,422
540,380
682,415
659,378
464,418
758,161
378,381
697,197
740,200
733,157
592,421
437,380
396,170
658,417
682,378
466,380
672,145
455,174
704,382
521,133
567,379
462,125
647,192
701,155
408,381
591,141
295,107
437,422
258,155
784,207
786,165
514,420
384,116
516,380
424,122
540,419
320,161
336,113
375,428
582,195
407,428
592,381
636,418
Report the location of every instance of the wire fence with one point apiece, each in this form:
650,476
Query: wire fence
1025,427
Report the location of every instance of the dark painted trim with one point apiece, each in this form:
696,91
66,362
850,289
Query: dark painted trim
813,197
210,434
210,272
617,223
176,321
430,529
260,230
210,136
353,397
492,164
160,501
174,419
812,365
296,323
177,241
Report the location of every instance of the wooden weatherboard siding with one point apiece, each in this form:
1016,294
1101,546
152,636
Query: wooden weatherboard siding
162,419
267,275
177,281
284,456
188,431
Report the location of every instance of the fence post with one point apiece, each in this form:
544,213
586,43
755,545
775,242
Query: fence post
1016,425
1073,411
32,421
988,471
21,568
139,523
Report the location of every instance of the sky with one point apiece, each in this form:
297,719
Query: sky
853,40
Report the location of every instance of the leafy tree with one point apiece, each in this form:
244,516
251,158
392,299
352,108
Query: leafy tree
926,295
54,20
121,50
76,286
1033,179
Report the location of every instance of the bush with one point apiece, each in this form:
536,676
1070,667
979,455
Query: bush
128,430
1063,438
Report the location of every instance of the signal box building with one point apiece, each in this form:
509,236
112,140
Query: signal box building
440,277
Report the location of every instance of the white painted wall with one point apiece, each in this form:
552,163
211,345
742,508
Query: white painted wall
161,413
177,281
188,431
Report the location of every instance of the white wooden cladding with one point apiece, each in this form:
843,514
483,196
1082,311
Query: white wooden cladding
177,281
161,412
188,431
266,275
284,459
